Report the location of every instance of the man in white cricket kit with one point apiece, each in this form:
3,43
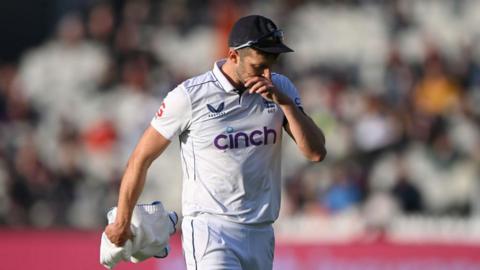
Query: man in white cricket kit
229,121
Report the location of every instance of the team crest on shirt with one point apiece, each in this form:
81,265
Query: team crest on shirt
216,110
269,105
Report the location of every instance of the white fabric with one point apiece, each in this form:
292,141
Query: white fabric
175,113
151,226
230,146
212,243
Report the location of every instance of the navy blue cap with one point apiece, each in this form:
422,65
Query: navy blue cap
257,32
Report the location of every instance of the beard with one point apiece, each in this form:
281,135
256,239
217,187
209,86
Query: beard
241,78
243,73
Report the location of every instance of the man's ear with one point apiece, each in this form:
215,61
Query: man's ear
233,56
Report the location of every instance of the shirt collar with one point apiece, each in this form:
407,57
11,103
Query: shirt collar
226,85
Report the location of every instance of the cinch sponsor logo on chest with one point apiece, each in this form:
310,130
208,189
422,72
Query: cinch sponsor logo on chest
240,139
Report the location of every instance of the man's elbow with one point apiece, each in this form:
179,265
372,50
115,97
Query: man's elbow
318,155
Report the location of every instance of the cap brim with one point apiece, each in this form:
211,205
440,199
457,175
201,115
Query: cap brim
277,48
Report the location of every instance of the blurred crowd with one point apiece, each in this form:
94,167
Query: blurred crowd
394,85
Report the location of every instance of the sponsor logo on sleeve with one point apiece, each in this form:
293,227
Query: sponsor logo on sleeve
160,110
297,101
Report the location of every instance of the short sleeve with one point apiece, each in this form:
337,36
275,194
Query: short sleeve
174,114
286,86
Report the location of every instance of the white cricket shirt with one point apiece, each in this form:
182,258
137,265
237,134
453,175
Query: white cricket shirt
230,146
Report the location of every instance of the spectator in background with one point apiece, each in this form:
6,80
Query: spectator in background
133,99
435,93
399,17
32,187
130,35
303,191
398,80
127,38
406,193
14,108
444,177
297,196
101,22
467,69
69,172
67,68
344,191
408,196
374,132
5,179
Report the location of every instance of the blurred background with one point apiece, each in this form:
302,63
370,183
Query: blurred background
395,85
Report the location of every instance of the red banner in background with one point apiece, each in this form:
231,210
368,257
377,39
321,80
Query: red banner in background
378,256
50,250
55,250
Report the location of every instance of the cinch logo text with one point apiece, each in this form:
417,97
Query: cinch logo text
240,139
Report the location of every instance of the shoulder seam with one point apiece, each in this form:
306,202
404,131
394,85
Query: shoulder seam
190,86
185,91
199,84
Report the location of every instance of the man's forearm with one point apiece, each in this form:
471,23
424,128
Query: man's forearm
131,187
309,138
150,146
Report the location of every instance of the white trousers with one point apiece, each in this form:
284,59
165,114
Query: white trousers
210,243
